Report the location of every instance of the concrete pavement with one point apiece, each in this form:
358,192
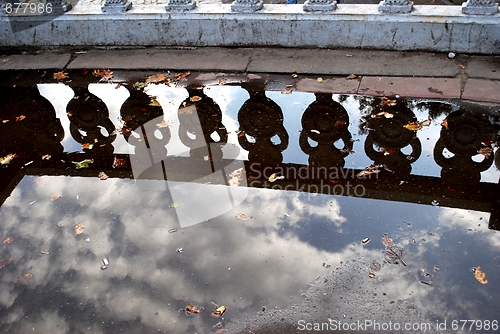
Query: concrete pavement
409,74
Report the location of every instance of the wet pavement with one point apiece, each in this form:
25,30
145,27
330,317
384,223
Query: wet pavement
255,198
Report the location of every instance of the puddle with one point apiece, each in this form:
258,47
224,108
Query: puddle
230,202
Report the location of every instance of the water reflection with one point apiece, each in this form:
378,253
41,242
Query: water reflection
258,247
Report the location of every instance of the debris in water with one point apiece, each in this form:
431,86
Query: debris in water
174,205
172,230
375,266
365,240
424,277
55,197
393,255
60,75
164,124
8,240
7,159
195,98
274,178
236,177
83,164
43,253
451,55
242,216
105,264
371,275
103,176
386,241
156,78
351,77
434,202
326,265
480,275
180,250
320,80
219,310
192,310
79,229
118,163
5,261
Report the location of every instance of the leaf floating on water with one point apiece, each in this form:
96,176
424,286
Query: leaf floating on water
118,163
192,310
375,266
7,159
102,176
383,114
427,122
413,126
79,229
444,124
101,72
46,157
242,216
60,75
8,240
369,170
156,78
236,177
154,103
174,205
87,146
83,164
274,178
164,124
55,197
480,275
386,241
371,275
393,255
219,310
486,151
5,261
20,118
386,103
195,98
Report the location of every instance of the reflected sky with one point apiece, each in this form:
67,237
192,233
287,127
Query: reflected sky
52,281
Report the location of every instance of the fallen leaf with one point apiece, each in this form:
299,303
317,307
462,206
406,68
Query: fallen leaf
102,176
46,157
156,78
194,98
138,86
413,126
107,76
174,205
242,216
480,275
100,72
386,241
219,310
87,146
154,103
486,151
369,170
294,75
55,197
20,118
118,85
179,76
192,310
60,75
79,229
351,77
444,124
371,275
286,91
164,124
8,240
28,276
5,121
118,163
383,114
461,66
240,133
83,164
427,122
7,159
236,177
386,103
274,178
222,81
320,80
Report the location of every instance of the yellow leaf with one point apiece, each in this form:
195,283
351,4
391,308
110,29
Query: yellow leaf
351,77
60,75
480,275
156,78
413,126
79,229
155,103
320,80
194,98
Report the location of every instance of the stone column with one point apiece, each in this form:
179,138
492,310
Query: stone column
480,7
246,5
180,5
395,6
319,5
116,6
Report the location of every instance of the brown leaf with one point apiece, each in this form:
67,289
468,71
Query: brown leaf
20,118
480,275
79,229
55,197
87,146
486,151
103,176
46,157
179,76
413,126
351,77
107,76
60,75
192,310
242,216
164,124
222,81
156,78
444,124
195,98
100,72
219,311
386,241
8,240
118,163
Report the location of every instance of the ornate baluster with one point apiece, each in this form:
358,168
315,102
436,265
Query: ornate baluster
116,6
319,5
246,5
480,7
180,5
395,6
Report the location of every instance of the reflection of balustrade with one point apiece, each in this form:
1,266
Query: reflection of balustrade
262,119
325,122
464,134
388,132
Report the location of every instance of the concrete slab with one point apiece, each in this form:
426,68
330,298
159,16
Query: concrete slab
46,60
351,61
483,67
411,87
334,86
195,59
482,90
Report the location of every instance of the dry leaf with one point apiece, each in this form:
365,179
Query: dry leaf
20,118
240,133
386,241
100,72
222,81
444,124
383,114
486,151
286,91
194,98
87,146
480,275
192,310
294,75
461,66
156,78
386,103
164,124
7,159
427,122
118,163
107,76
219,310
118,85
413,126
236,177
320,80
5,121
242,216
60,75
179,76
274,178
102,176
79,229
154,103
351,77
8,240
55,197
46,157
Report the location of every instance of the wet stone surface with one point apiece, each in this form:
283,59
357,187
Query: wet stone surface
228,203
